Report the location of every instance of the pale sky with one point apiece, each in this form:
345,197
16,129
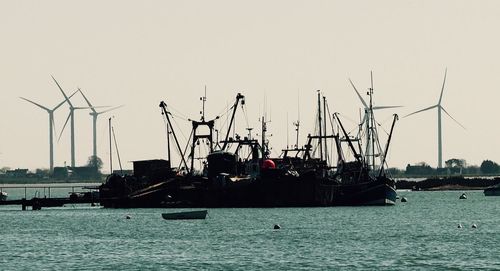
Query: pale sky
137,53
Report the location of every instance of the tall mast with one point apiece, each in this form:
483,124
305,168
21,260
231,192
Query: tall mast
235,106
324,122
163,106
117,150
168,144
297,124
297,130
387,146
319,125
372,122
110,148
346,135
264,130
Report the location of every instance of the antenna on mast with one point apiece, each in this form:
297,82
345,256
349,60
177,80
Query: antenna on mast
203,100
297,124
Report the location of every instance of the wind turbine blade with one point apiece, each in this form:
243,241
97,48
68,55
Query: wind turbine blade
359,95
41,106
452,118
92,107
67,119
87,100
62,91
386,107
114,108
61,103
425,109
442,89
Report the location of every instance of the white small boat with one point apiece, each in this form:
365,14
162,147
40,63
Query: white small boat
185,215
3,196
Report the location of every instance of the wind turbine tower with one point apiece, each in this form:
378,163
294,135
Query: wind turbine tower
72,116
51,128
94,115
439,109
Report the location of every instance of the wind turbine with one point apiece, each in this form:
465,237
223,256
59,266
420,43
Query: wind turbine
369,119
72,117
51,127
439,108
94,115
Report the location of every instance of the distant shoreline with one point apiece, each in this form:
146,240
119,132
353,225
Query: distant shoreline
44,181
448,183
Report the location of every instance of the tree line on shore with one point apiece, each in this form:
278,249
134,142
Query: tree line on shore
453,166
91,170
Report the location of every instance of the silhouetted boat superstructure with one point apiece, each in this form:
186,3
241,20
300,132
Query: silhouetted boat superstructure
239,172
3,196
492,191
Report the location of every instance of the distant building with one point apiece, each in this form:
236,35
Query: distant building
60,173
419,170
84,173
153,169
17,173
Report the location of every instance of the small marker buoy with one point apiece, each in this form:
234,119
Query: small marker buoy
474,226
127,217
463,196
277,227
459,225
404,199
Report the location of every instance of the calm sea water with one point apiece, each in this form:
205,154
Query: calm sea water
419,234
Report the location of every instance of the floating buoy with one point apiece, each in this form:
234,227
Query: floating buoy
463,196
459,226
127,217
404,199
277,227
474,226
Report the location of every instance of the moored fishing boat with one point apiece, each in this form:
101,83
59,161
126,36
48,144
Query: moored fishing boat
239,171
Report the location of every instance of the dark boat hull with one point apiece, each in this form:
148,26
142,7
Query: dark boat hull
371,194
492,191
185,215
272,191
